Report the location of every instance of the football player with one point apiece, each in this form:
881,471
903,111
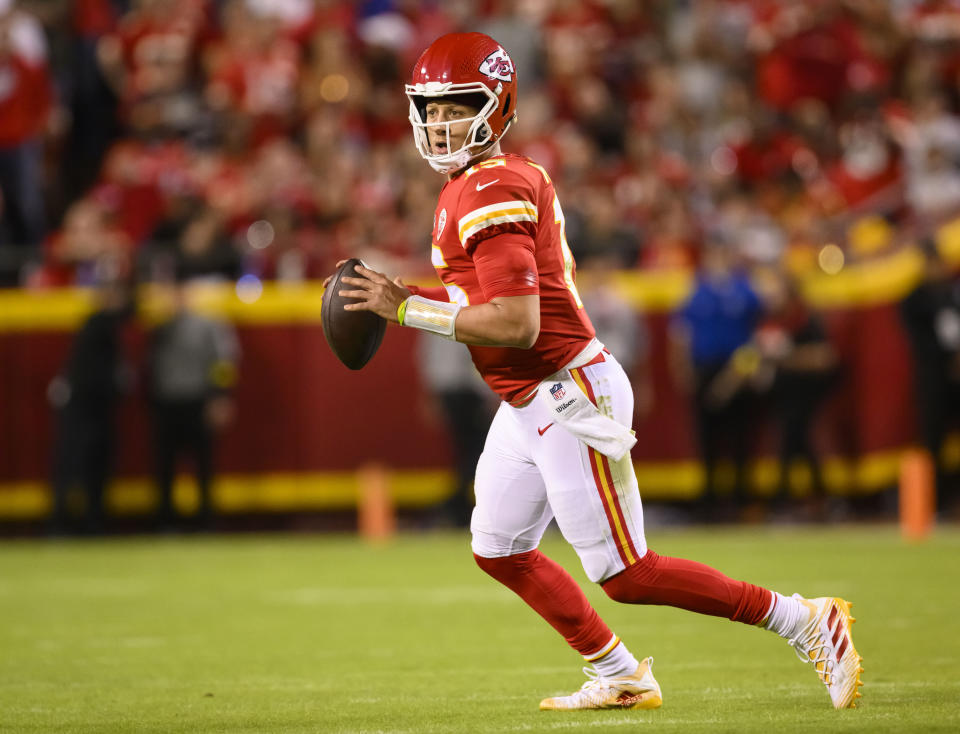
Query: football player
559,445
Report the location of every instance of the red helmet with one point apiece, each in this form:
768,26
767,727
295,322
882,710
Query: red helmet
477,67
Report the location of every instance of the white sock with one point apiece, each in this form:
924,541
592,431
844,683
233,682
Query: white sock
787,616
614,660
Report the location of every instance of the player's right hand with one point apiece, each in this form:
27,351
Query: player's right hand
375,292
397,281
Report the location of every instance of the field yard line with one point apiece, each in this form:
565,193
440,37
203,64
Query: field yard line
602,721
141,641
88,587
559,725
585,724
869,685
334,595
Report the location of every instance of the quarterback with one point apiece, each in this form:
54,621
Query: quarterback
559,446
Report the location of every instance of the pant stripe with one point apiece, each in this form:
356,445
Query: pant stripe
627,539
605,500
605,486
608,492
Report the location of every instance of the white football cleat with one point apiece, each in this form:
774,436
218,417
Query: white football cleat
637,691
826,641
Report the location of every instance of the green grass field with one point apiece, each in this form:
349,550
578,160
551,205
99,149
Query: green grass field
328,634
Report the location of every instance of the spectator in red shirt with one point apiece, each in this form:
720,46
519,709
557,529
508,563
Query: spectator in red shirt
153,37
25,96
868,176
254,74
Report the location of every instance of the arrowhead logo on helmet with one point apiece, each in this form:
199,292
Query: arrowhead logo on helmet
498,65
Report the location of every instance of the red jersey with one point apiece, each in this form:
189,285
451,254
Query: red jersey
486,216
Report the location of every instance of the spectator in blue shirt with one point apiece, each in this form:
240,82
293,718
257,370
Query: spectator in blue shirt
713,331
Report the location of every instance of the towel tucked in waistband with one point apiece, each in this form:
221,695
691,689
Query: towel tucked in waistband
571,408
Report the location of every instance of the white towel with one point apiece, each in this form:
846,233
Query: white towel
572,409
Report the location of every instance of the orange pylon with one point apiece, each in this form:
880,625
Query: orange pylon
376,514
917,492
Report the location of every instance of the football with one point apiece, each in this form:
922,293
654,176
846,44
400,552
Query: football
354,336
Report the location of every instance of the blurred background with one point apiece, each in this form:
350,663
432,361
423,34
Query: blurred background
763,198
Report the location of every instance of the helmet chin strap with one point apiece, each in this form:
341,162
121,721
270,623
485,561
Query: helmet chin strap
464,159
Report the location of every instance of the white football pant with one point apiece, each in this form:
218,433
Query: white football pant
532,469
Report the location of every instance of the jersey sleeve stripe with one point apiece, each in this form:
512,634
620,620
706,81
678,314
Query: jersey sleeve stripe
487,216
490,221
495,208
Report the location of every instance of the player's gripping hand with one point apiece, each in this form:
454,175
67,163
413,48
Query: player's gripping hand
375,292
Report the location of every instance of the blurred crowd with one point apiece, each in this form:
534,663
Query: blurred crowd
247,140
269,137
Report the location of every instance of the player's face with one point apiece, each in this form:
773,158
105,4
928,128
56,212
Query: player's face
458,115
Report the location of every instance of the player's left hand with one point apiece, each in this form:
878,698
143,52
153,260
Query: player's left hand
376,293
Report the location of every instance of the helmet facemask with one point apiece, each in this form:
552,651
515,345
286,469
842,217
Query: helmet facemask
479,135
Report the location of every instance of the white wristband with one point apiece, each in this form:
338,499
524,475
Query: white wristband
434,316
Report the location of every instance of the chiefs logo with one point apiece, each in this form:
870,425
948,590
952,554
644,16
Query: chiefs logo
441,223
498,66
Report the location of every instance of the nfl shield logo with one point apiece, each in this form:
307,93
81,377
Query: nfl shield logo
557,391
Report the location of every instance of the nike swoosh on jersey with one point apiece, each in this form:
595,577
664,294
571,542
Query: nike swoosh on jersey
481,187
543,430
